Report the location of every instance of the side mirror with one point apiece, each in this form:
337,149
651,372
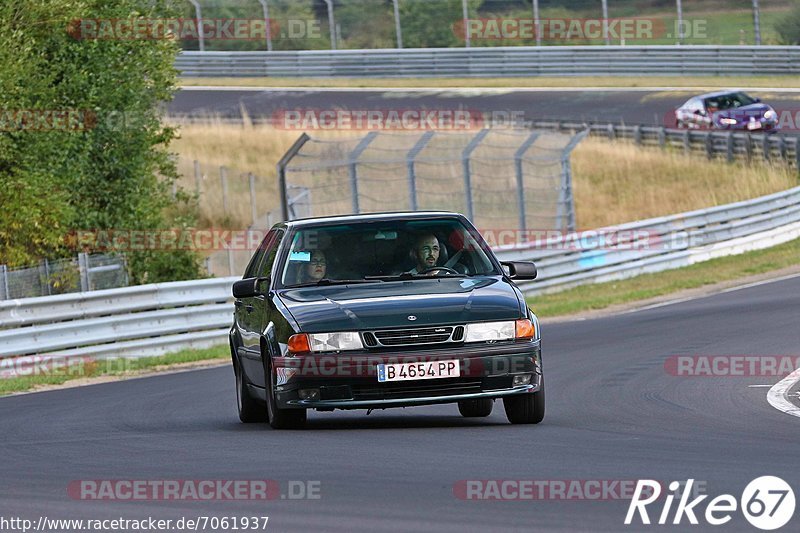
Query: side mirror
520,269
757,100
247,288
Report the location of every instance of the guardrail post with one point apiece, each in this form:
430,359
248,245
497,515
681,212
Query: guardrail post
687,147
352,163
223,178
83,270
637,134
4,285
612,134
765,148
709,142
748,147
230,261
465,155
797,153
782,147
253,209
523,224
729,147
412,177
662,137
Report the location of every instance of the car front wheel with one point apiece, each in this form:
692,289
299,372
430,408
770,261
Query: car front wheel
525,408
250,409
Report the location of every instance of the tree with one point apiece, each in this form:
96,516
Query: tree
788,27
108,166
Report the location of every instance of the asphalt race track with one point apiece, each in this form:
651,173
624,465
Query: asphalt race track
629,106
613,413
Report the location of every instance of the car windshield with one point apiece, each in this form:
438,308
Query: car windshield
373,251
728,101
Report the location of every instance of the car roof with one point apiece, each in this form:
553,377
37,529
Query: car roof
718,93
391,215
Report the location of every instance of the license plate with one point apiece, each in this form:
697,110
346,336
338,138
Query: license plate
753,125
427,370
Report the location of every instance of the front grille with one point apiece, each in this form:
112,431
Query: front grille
413,336
400,390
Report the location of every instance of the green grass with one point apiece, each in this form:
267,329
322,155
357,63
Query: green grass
689,82
111,367
602,295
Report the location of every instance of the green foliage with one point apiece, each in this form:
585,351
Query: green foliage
788,28
111,169
434,24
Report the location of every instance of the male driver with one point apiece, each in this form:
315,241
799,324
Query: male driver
425,252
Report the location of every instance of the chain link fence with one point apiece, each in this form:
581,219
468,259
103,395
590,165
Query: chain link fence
500,179
76,274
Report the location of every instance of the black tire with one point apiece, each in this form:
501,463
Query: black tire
250,409
525,408
476,408
281,418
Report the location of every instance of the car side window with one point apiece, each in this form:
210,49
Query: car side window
270,251
255,261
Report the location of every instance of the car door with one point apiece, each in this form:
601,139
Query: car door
245,317
261,309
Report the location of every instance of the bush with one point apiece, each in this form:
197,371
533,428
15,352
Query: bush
788,27
110,169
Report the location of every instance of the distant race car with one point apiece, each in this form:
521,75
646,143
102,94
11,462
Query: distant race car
726,110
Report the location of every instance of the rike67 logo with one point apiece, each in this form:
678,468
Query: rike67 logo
767,503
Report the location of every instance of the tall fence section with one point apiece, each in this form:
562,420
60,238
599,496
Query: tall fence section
499,178
85,272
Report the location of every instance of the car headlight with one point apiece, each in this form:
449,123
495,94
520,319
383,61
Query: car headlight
489,331
325,342
727,121
770,114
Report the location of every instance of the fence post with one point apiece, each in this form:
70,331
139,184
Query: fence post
797,153
637,134
281,166
523,224
47,276
687,147
662,137
748,147
208,265
709,145
352,164
412,178
765,148
465,155
611,132
782,147
223,178
4,284
230,260
253,209
197,177
83,270
565,200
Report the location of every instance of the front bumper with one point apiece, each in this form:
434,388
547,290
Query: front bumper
350,381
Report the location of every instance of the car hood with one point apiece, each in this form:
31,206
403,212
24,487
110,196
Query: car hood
744,113
389,304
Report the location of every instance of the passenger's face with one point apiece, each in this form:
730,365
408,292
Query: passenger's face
317,266
427,252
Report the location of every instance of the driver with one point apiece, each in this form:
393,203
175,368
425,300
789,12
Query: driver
426,252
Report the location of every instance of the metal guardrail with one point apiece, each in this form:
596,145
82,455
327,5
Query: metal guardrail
154,319
508,61
728,145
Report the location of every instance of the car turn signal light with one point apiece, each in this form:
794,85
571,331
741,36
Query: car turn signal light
299,343
524,329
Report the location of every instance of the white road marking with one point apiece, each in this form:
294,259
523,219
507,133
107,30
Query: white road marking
778,394
758,386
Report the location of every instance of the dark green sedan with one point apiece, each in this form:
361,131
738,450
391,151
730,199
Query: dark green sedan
383,310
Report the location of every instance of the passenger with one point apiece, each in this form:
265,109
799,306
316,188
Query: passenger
315,269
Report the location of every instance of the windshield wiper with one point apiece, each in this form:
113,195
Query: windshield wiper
327,281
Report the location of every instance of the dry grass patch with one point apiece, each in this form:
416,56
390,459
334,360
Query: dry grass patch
617,182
